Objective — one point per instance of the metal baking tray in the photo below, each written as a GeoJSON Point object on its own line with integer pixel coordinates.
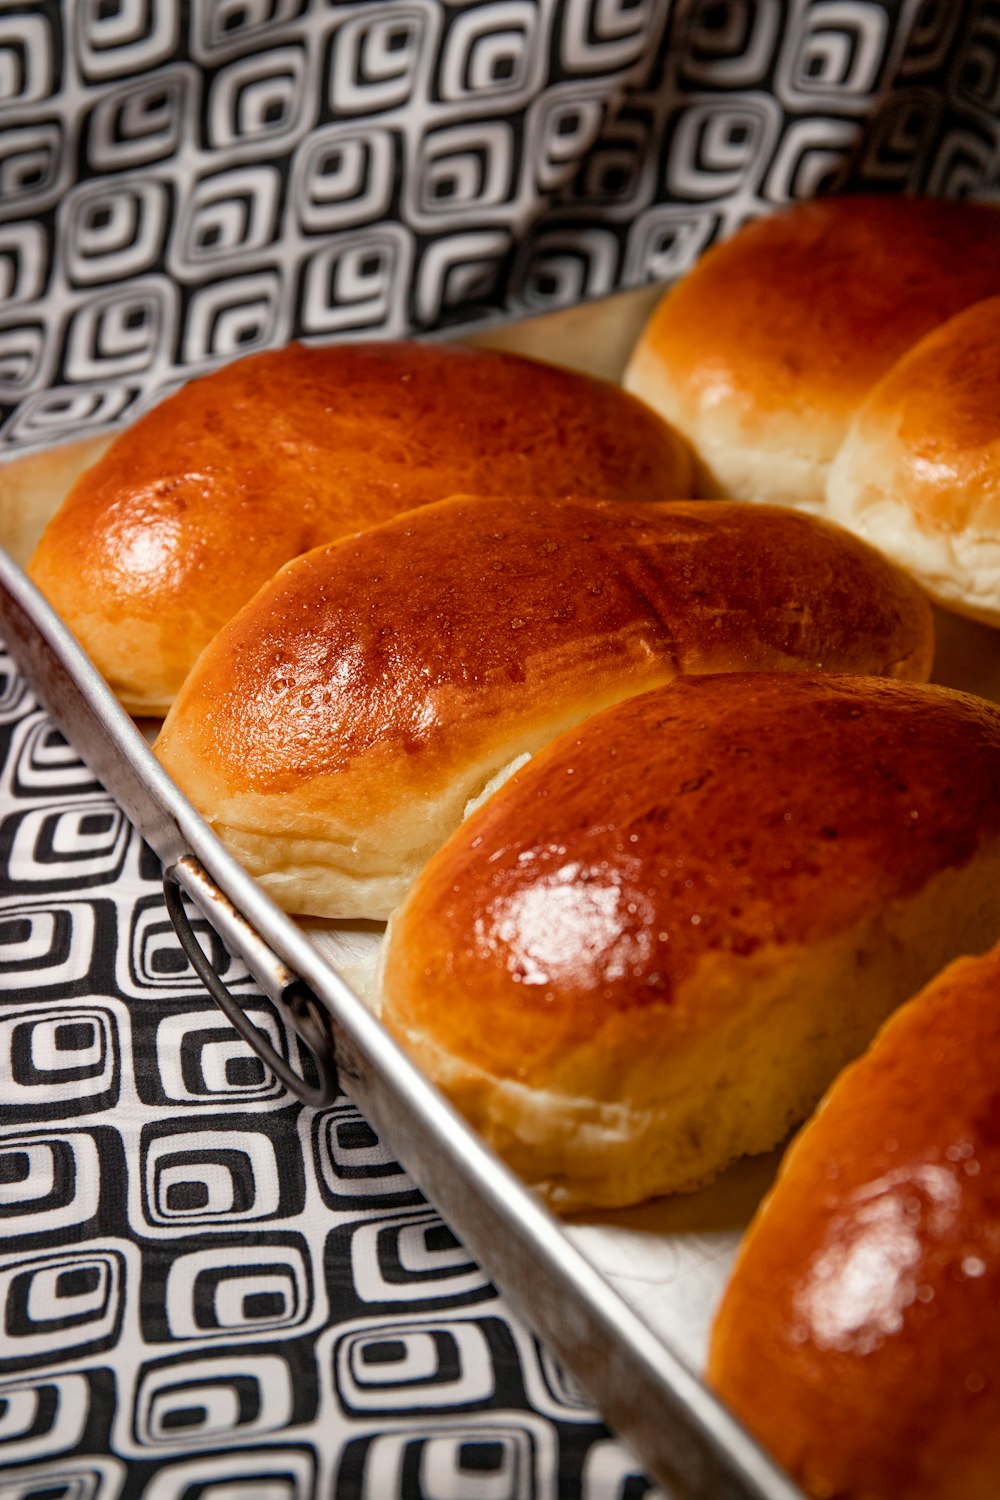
{"type": "Point", "coordinates": [624, 1298]}
{"type": "Point", "coordinates": [637, 1379]}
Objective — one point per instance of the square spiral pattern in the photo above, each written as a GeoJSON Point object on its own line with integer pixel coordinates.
{"type": "Point", "coordinates": [181, 183]}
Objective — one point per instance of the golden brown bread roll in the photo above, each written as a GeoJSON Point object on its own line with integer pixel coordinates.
{"type": "Point", "coordinates": [335, 731]}
{"type": "Point", "coordinates": [761, 355]}
{"type": "Point", "coordinates": [918, 474]}
{"type": "Point", "coordinates": [204, 498]}
{"type": "Point", "coordinates": [858, 1336]}
{"type": "Point", "coordinates": [650, 952]}
{"type": "Point", "coordinates": [33, 486]}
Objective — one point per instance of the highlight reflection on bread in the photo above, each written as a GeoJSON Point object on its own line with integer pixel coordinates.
{"type": "Point", "coordinates": [858, 1336]}
{"type": "Point", "coordinates": [335, 731]}
{"type": "Point", "coordinates": [205, 497]}
{"type": "Point", "coordinates": [650, 952]}
{"type": "Point", "coordinates": [763, 352]}
{"type": "Point", "coordinates": [34, 486]}
{"type": "Point", "coordinates": [918, 474]}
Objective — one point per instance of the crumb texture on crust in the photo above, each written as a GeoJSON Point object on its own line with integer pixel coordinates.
{"type": "Point", "coordinates": [205, 497]}
{"type": "Point", "coordinates": [857, 1337]}
{"type": "Point", "coordinates": [335, 732]}
{"type": "Point", "coordinates": [690, 911]}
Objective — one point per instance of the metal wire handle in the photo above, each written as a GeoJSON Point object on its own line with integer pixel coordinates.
{"type": "Point", "coordinates": [307, 1016]}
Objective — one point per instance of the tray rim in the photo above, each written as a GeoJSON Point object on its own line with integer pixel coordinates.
{"type": "Point", "coordinates": [678, 1428]}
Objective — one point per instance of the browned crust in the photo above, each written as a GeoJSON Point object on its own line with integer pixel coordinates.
{"type": "Point", "coordinates": [803, 311]}
{"type": "Point", "coordinates": [858, 1337]}
{"type": "Point", "coordinates": [470, 621]}
{"type": "Point", "coordinates": [706, 820]}
{"type": "Point", "coordinates": [934, 421]}
{"type": "Point", "coordinates": [34, 485]}
{"type": "Point", "coordinates": [206, 496]}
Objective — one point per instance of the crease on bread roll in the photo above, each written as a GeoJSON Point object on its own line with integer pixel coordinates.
{"type": "Point", "coordinates": [650, 952]}
{"type": "Point", "coordinates": [918, 474]}
{"type": "Point", "coordinates": [205, 497]}
{"type": "Point", "coordinates": [761, 354]}
{"type": "Point", "coordinates": [858, 1334]}
{"type": "Point", "coordinates": [334, 733]}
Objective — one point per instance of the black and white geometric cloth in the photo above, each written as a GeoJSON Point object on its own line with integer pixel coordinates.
{"type": "Point", "coordinates": [185, 180]}
{"type": "Point", "coordinates": [208, 1292]}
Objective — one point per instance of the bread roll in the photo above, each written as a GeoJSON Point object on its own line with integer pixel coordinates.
{"type": "Point", "coordinates": [199, 503]}
{"type": "Point", "coordinates": [34, 486]}
{"type": "Point", "coordinates": [919, 471]}
{"type": "Point", "coordinates": [858, 1336]}
{"type": "Point", "coordinates": [761, 355]}
{"type": "Point", "coordinates": [335, 731]}
{"type": "Point", "coordinates": [650, 952]}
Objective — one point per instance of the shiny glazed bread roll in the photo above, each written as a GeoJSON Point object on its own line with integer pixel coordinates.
{"type": "Point", "coordinates": [919, 471]}
{"type": "Point", "coordinates": [335, 731]}
{"type": "Point", "coordinates": [858, 1336]}
{"type": "Point", "coordinates": [204, 498]}
{"type": "Point", "coordinates": [761, 354]}
{"type": "Point", "coordinates": [33, 487]}
{"type": "Point", "coordinates": [650, 952]}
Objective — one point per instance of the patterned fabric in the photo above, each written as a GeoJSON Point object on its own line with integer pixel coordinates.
{"type": "Point", "coordinates": [180, 182]}
{"type": "Point", "coordinates": [208, 1292]}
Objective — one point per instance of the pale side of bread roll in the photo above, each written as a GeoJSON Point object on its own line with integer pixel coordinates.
{"type": "Point", "coordinates": [334, 733]}
{"type": "Point", "coordinates": [918, 474]}
{"type": "Point", "coordinates": [763, 352]}
{"type": "Point", "coordinates": [205, 497]}
{"type": "Point", "coordinates": [650, 952]}
{"type": "Point", "coordinates": [858, 1335]}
